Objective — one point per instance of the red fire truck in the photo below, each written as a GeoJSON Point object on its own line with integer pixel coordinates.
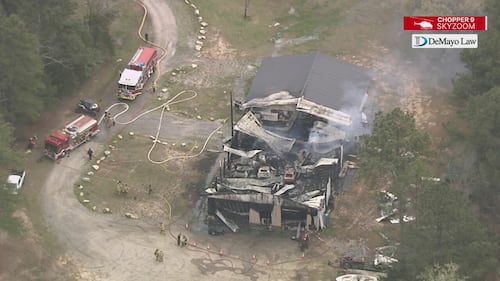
{"type": "Point", "coordinates": [137, 73]}
{"type": "Point", "coordinates": [61, 142]}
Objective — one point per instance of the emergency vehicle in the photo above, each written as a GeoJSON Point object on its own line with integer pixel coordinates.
{"type": "Point", "coordinates": [138, 71]}
{"type": "Point", "coordinates": [59, 143]}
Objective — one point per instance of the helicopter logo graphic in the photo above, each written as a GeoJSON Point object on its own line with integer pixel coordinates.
{"type": "Point", "coordinates": [424, 25]}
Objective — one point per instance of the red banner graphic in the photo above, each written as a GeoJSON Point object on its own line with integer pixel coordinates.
{"type": "Point", "coordinates": [445, 23]}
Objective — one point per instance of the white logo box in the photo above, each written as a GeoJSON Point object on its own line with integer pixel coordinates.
{"type": "Point", "coordinates": [444, 41]}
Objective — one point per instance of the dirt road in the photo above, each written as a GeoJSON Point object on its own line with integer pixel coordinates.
{"type": "Point", "coordinates": [112, 247]}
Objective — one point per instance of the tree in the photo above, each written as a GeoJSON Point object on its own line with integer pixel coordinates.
{"type": "Point", "coordinates": [445, 231]}
{"type": "Point", "coordinates": [98, 20]}
{"type": "Point", "coordinates": [483, 63]}
{"type": "Point", "coordinates": [448, 272]}
{"type": "Point", "coordinates": [22, 87]}
{"type": "Point", "coordinates": [9, 158]}
{"type": "Point", "coordinates": [71, 48]}
{"type": "Point", "coordinates": [483, 121]}
{"type": "Point", "coordinates": [394, 144]}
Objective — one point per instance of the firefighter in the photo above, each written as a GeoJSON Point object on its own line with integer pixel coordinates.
{"type": "Point", "coordinates": [304, 242]}
{"type": "Point", "coordinates": [184, 241]}
{"type": "Point", "coordinates": [159, 255]}
{"type": "Point", "coordinates": [119, 187]}
{"type": "Point", "coordinates": [31, 143]}
{"type": "Point", "coordinates": [162, 228]}
{"type": "Point", "coordinates": [108, 120]}
{"type": "Point", "coordinates": [90, 152]}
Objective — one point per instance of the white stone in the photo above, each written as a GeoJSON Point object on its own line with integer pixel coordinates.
{"type": "Point", "coordinates": [94, 208]}
{"type": "Point", "coordinates": [131, 216]}
{"type": "Point", "coordinates": [200, 18]}
{"type": "Point", "coordinates": [202, 31]}
{"type": "Point", "coordinates": [107, 152]}
{"type": "Point", "coordinates": [98, 162]}
{"type": "Point", "coordinates": [130, 133]}
{"type": "Point", "coordinates": [197, 48]}
{"type": "Point", "coordinates": [197, 12]}
{"type": "Point", "coordinates": [86, 201]}
{"type": "Point", "coordinates": [202, 37]}
{"type": "Point", "coordinates": [106, 210]}
{"type": "Point", "coordinates": [173, 73]}
{"type": "Point", "coordinates": [212, 119]}
{"type": "Point", "coordinates": [95, 167]}
{"type": "Point", "coordinates": [194, 65]}
{"type": "Point", "coordinates": [80, 186]}
{"type": "Point", "coordinates": [276, 24]}
{"type": "Point", "coordinates": [90, 173]}
{"type": "Point", "coordinates": [152, 137]}
{"type": "Point", "coordinates": [186, 1]}
{"type": "Point", "coordinates": [203, 24]}
{"type": "Point", "coordinates": [81, 194]}
{"type": "Point", "coordinates": [198, 117]}
{"type": "Point", "coordinates": [85, 179]}
{"type": "Point", "coordinates": [102, 158]}
{"type": "Point", "coordinates": [120, 136]}
{"type": "Point", "coordinates": [164, 90]}
{"type": "Point", "coordinates": [183, 144]}
{"type": "Point", "coordinates": [193, 5]}
{"type": "Point", "coordinates": [198, 42]}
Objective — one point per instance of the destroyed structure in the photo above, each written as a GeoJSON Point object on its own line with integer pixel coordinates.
{"type": "Point", "coordinates": [301, 118]}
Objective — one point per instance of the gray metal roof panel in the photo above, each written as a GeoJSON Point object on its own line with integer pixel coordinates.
{"type": "Point", "coordinates": [319, 78]}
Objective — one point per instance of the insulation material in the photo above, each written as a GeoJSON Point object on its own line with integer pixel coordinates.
{"type": "Point", "coordinates": [279, 98]}
{"type": "Point", "coordinates": [247, 154]}
{"type": "Point", "coordinates": [324, 112]}
{"type": "Point", "coordinates": [284, 189]}
{"type": "Point", "coordinates": [250, 125]}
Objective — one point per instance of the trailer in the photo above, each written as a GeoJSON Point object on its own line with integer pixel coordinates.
{"type": "Point", "coordinates": [59, 143]}
{"type": "Point", "coordinates": [137, 73]}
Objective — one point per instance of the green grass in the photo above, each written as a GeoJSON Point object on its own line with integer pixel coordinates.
{"type": "Point", "coordinates": [128, 163]}
{"type": "Point", "coordinates": [210, 102]}
{"type": "Point", "coordinates": [254, 36]}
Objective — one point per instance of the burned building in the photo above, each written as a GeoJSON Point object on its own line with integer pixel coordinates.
{"type": "Point", "coordinates": [300, 119]}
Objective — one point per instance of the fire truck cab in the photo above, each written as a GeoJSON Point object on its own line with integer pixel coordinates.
{"type": "Point", "coordinates": [137, 73]}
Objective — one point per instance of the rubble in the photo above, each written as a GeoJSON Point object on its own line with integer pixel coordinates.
{"type": "Point", "coordinates": [285, 156]}
{"type": "Point", "coordinates": [356, 277]}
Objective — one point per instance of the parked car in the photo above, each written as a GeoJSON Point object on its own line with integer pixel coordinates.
{"type": "Point", "coordinates": [15, 181]}
{"type": "Point", "coordinates": [87, 106]}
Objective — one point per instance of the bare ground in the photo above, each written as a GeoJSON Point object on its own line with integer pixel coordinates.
{"type": "Point", "coordinates": [111, 247]}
